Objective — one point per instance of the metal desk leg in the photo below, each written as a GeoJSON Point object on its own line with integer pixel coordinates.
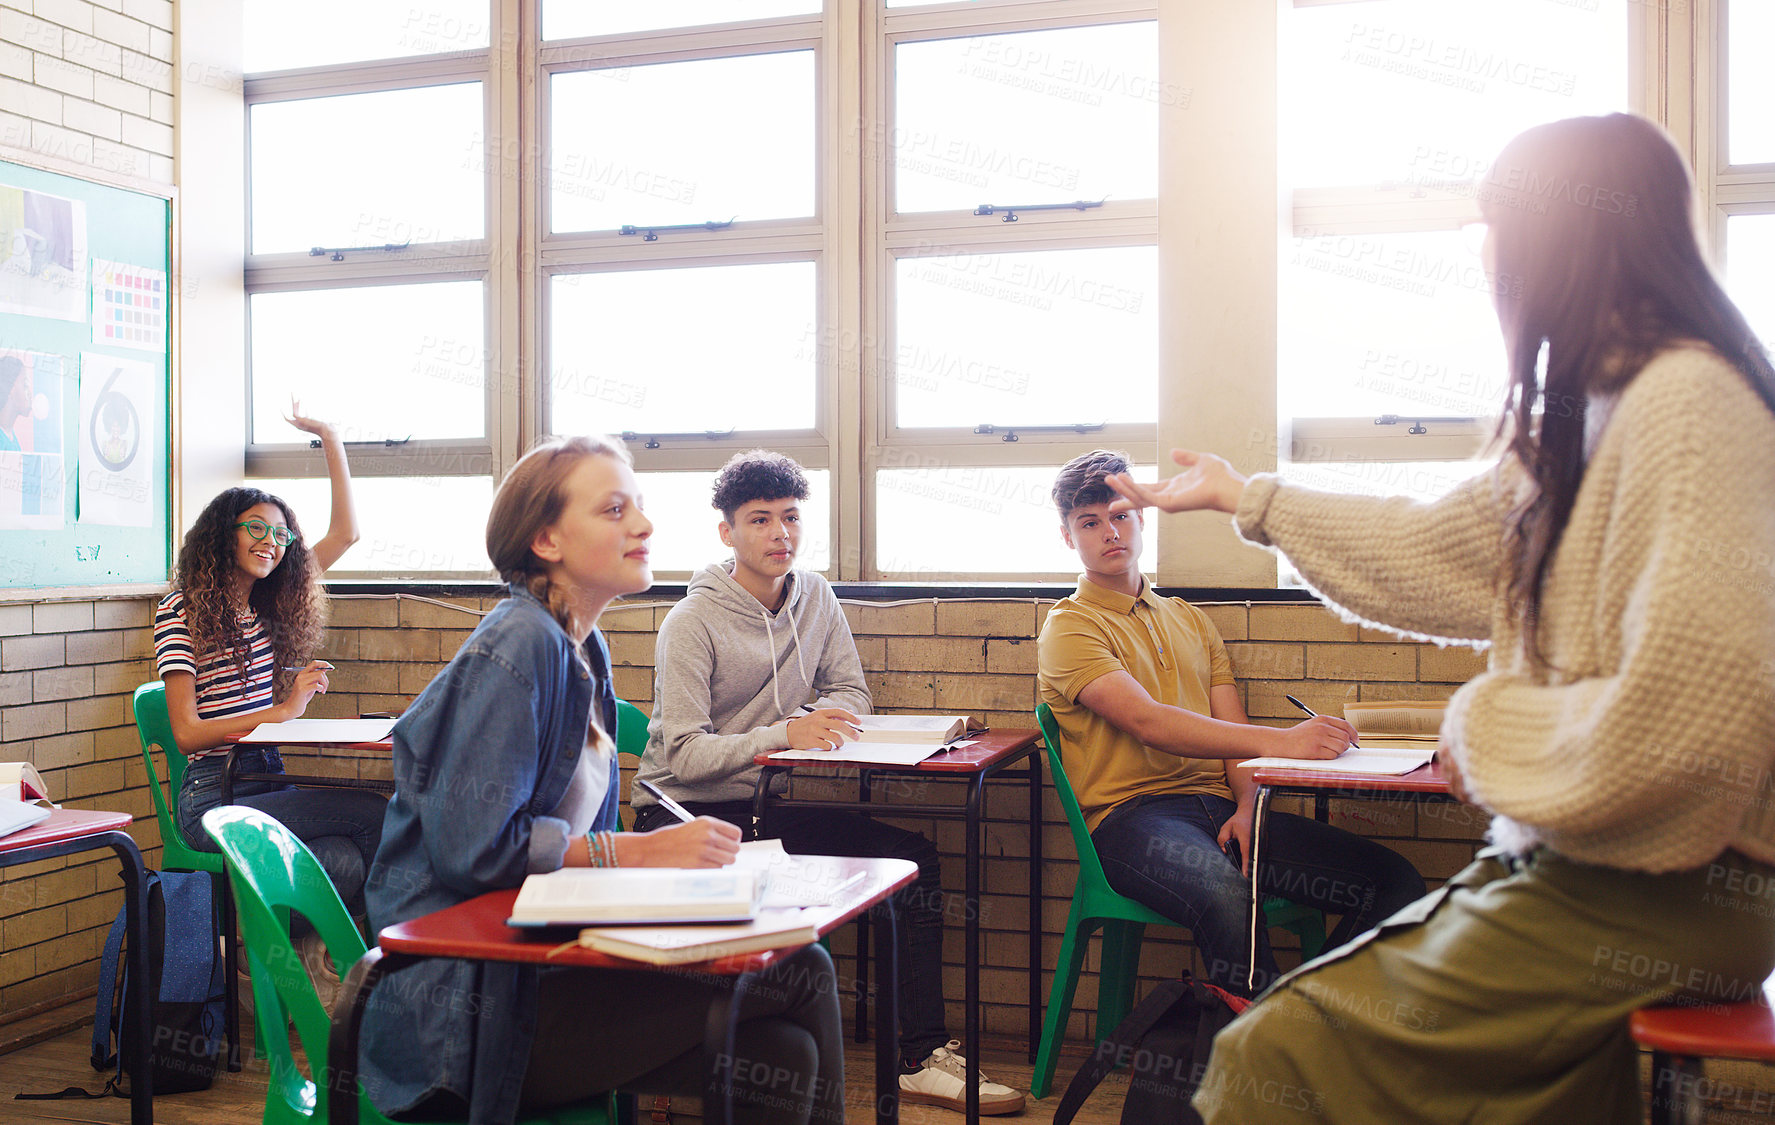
{"type": "Point", "coordinates": [887, 1015]}
{"type": "Point", "coordinates": [1035, 902]}
{"type": "Point", "coordinates": [1259, 818]}
{"type": "Point", "coordinates": [348, 1018]}
{"type": "Point", "coordinates": [862, 978]}
{"type": "Point", "coordinates": [971, 970]}
{"type": "Point", "coordinates": [135, 898]}
{"type": "Point", "coordinates": [720, 1042]}
{"type": "Point", "coordinates": [228, 767]}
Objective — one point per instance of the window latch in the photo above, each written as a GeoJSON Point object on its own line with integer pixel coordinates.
{"type": "Point", "coordinates": [1012, 433]}
{"type": "Point", "coordinates": [337, 253]}
{"type": "Point", "coordinates": [1010, 211]}
{"type": "Point", "coordinates": [1417, 424]}
{"type": "Point", "coordinates": [652, 441]}
{"type": "Point", "coordinates": [651, 234]}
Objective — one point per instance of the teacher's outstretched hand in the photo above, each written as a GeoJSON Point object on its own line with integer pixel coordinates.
{"type": "Point", "coordinates": [1206, 483]}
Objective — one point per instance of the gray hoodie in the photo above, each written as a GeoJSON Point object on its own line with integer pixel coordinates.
{"type": "Point", "coordinates": [729, 674]}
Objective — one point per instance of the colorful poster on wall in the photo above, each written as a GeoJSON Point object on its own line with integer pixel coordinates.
{"type": "Point", "coordinates": [117, 447]}
{"type": "Point", "coordinates": [128, 306]}
{"type": "Point", "coordinates": [42, 254]}
{"type": "Point", "coordinates": [31, 461]}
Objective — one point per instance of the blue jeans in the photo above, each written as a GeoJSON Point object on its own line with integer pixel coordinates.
{"type": "Point", "coordinates": [923, 1027]}
{"type": "Point", "coordinates": [1160, 851]}
{"type": "Point", "coordinates": [342, 827]}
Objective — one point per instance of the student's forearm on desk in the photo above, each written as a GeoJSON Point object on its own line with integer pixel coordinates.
{"type": "Point", "coordinates": [194, 734]}
{"type": "Point", "coordinates": [1119, 698]}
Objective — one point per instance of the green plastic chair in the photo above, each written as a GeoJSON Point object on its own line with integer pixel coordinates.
{"type": "Point", "coordinates": [273, 874]}
{"type": "Point", "coordinates": [155, 730]}
{"type": "Point", "coordinates": [1123, 921]}
{"type": "Point", "coordinates": [631, 728]}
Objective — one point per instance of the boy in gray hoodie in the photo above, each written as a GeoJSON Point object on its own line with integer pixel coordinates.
{"type": "Point", "coordinates": [759, 657]}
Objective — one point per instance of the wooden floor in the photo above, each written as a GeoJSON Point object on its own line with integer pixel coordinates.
{"type": "Point", "coordinates": [1736, 1093]}
{"type": "Point", "coordinates": [238, 1099]}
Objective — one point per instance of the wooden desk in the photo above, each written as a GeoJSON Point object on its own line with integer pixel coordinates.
{"type": "Point", "coordinates": [1423, 784]}
{"type": "Point", "coordinates": [66, 832]}
{"type": "Point", "coordinates": [993, 750]}
{"type": "Point", "coordinates": [476, 930]}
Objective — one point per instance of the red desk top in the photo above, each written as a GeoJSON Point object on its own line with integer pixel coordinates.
{"type": "Point", "coordinates": [1722, 1031]}
{"type": "Point", "coordinates": [1424, 779]}
{"type": "Point", "coordinates": [476, 929]}
{"type": "Point", "coordinates": [66, 824]}
{"type": "Point", "coordinates": [990, 748]}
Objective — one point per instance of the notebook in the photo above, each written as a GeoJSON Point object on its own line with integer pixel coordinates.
{"type": "Point", "coordinates": [1392, 738]}
{"type": "Point", "coordinates": [680, 945]}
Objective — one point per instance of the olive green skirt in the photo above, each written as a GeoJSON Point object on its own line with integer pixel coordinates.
{"type": "Point", "coordinates": [1501, 997]}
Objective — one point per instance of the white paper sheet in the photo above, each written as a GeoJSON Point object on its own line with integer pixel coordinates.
{"type": "Point", "coordinates": [862, 753]}
{"type": "Point", "coordinates": [320, 732]}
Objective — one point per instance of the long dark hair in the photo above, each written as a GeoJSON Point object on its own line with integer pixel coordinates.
{"type": "Point", "coordinates": [1597, 263]}
{"type": "Point", "coordinates": [288, 601]}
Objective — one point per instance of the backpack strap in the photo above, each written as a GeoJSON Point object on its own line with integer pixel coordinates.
{"type": "Point", "coordinates": [1119, 1044]}
{"type": "Point", "coordinates": [102, 1053]}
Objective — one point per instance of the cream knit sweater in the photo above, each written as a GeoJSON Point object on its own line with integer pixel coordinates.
{"type": "Point", "coordinates": [1649, 744]}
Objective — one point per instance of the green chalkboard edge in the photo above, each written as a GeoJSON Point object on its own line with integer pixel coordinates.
{"type": "Point", "coordinates": [62, 166]}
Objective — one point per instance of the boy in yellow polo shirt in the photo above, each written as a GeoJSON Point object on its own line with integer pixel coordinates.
{"type": "Point", "coordinates": [1150, 719]}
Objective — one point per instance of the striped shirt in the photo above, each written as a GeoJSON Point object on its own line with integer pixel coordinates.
{"type": "Point", "coordinates": [220, 689]}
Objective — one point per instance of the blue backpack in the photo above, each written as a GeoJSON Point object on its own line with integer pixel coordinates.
{"type": "Point", "coordinates": [187, 986]}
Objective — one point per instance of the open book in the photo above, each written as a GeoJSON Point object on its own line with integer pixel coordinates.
{"type": "Point", "coordinates": [1391, 739]}
{"type": "Point", "coordinates": [679, 945]}
{"type": "Point", "coordinates": [906, 730]}
{"type": "Point", "coordinates": [578, 896]}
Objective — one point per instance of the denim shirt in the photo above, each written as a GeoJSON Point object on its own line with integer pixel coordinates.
{"type": "Point", "coordinates": [481, 760]}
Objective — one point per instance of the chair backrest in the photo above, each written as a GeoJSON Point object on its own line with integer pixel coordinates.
{"type": "Point", "coordinates": [155, 731]}
{"type": "Point", "coordinates": [272, 873]}
{"type": "Point", "coordinates": [631, 728]}
{"type": "Point", "coordinates": [1089, 867]}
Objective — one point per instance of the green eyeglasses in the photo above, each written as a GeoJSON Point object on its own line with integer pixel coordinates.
{"type": "Point", "coordinates": [259, 529]}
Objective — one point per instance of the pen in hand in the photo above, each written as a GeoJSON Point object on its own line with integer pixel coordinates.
{"type": "Point", "coordinates": [1312, 714]}
{"type": "Point", "coordinates": [670, 805]}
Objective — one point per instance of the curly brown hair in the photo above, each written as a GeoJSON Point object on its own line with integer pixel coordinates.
{"type": "Point", "coordinates": [288, 601]}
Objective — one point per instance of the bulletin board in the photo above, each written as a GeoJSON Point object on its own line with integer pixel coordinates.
{"type": "Point", "coordinates": [85, 376]}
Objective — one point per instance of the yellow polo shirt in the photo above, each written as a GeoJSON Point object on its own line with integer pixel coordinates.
{"type": "Point", "coordinates": [1168, 646]}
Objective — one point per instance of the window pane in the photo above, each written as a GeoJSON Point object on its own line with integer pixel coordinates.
{"type": "Point", "coordinates": [1750, 271]}
{"type": "Point", "coordinates": [1386, 324]}
{"type": "Point", "coordinates": [278, 34]}
{"type": "Point", "coordinates": [368, 169]}
{"type": "Point", "coordinates": [387, 361]}
{"type": "Point", "coordinates": [941, 519]}
{"type": "Point", "coordinates": [687, 142]}
{"type": "Point", "coordinates": [571, 19]}
{"type": "Point", "coordinates": [684, 525]}
{"type": "Point", "coordinates": [1420, 480]}
{"type": "Point", "coordinates": [1038, 117]}
{"type": "Point", "coordinates": [1053, 336]}
{"type": "Point", "coordinates": [1428, 91]}
{"type": "Point", "coordinates": [411, 525]}
{"type": "Point", "coordinates": [710, 348]}
{"type": "Point", "coordinates": [1750, 110]}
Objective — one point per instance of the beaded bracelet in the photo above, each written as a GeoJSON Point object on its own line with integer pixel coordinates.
{"type": "Point", "coordinates": [601, 849]}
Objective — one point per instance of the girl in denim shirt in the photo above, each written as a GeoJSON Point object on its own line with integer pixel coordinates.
{"type": "Point", "coordinates": [504, 767]}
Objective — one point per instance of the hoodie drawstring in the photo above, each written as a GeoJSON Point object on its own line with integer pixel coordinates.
{"type": "Point", "coordinates": [794, 640]}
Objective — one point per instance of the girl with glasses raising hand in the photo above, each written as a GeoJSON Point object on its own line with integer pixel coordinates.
{"type": "Point", "coordinates": [235, 642]}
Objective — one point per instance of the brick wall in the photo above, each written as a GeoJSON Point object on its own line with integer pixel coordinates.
{"type": "Point", "coordinates": [90, 83]}
{"type": "Point", "coordinates": [66, 670]}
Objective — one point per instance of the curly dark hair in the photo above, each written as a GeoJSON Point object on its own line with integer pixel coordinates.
{"type": "Point", "coordinates": [288, 601]}
{"type": "Point", "coordinates": [1080, 483]}
{"type": "Point", "coordinates": [756, 474]}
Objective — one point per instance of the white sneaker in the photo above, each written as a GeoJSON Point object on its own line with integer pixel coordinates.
{"type": "Point", "coordinates": [942, 1080]}
{"type": "Point", "coordinates": [313, 953]}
